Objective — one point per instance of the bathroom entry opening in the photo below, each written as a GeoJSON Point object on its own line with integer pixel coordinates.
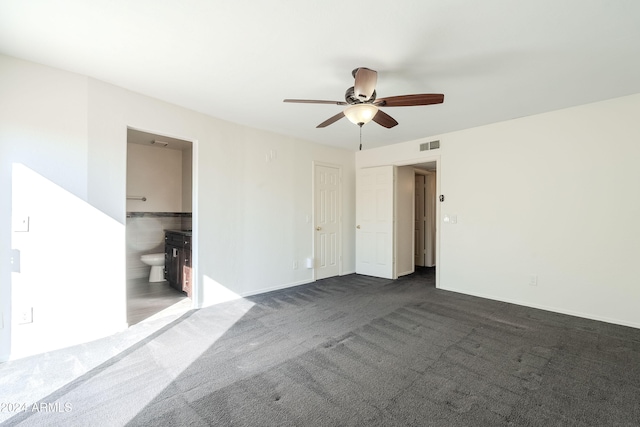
{"type": "Point", "coordinates": [159, 206]}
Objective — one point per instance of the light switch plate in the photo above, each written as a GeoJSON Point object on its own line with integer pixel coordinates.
{"type": "Point", "coordinates": [21, 223]}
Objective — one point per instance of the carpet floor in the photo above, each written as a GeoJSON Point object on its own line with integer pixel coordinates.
{"type": "Point", "coordinates": [352, 351]}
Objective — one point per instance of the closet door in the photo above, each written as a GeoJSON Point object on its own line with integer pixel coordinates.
{"type": "Point", "coordinates": [375, 222]}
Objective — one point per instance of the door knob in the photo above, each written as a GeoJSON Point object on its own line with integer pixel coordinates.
{"type": "Point", "coordinates": [358, 227]}
{"type": "Point", "coordinates": [318, 228]}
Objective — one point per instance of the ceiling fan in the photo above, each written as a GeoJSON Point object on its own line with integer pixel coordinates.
{"type": "Point", "coordinates": [363, 106]}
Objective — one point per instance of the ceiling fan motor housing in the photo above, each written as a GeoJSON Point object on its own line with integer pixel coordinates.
{"type": "Point", "coordinates": [351, 98]}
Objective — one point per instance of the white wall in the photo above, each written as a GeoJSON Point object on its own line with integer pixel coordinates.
{"type": "Point", "coordinates": [156, 174]}
{"type": "Point", "coordinates": [69, 132]}
{"type": "Point", "coordinates": [61, 275]}
{"type": "Point", "coordinates": [553, 195]}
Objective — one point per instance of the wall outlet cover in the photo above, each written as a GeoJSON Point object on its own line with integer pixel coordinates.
{"type": "Point", "coordinates": [26, 316]}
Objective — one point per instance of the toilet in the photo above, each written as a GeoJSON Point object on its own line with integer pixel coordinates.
{"type": "Point", "coordinates": [156, 261]}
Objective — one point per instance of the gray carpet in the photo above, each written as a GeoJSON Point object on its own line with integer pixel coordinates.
{"type": "Point", "coordinates": [354, 351]}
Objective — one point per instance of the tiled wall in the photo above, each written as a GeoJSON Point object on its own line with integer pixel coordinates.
{"type": "Point", "coordinates": [145, 235]}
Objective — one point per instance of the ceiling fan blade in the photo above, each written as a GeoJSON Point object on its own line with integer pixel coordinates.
{"type": "Point", "coordinates": [330, 120]}
{"type": "Point", "coordinates": [383, 119]}
{"type": "Point", "coordinates": [365, 84]}
{"type": "Point", "coordinates": [314, 101]}
{"type": "Point", "coordinates": [411, 100]}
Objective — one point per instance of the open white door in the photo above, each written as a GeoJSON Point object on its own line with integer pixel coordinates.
{"type": "Point", "coordinates": [374, 219]}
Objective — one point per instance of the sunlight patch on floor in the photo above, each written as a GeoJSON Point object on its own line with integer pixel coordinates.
{"type": "Point", "coordinates": [176, 309]}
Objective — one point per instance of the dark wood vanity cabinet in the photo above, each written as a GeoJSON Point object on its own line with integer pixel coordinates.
{"type": "Point", "coordinates": [177, 260]}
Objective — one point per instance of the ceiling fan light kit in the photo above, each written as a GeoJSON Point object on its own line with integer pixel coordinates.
{"type": "Point", "coordinates": [361, 114]}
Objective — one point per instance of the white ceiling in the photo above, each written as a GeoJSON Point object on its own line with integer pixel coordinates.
{"type": "Point", "coordinates": [237, 60]}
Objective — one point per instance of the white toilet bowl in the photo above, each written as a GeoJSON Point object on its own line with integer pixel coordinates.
{"type": "Point", "coordinates": [156, 261]}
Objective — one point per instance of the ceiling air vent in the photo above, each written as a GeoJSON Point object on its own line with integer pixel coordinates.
{"type": "Point", "coordinates": [431, 145]}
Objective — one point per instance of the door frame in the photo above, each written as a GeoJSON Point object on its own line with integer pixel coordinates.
{"type": "Point", "coordinates": [314, 164]}
{"type": "Point", "coordinates": [196, 290]}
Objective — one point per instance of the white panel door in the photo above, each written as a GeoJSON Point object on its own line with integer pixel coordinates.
{"type": "Point", "coordinates": [327, 221]}
{"type": "Point", "coordinates": [374, 222]}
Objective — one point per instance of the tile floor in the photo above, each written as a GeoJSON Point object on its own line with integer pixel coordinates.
{"type": "Point", "coordinates": [146, 299]}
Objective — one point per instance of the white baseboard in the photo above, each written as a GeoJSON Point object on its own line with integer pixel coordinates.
{"type": "Point", "coordinates": [547, 308]}
{"type": "Point", "coordinates": [277, 287]}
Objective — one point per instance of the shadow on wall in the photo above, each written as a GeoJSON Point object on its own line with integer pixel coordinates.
{"type": "Point", "coordinates": [67, 287]}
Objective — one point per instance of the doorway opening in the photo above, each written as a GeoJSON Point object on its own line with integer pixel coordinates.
{"type": "Point", "coordinates": [425, 215]}
{"type": "Point", "coordinates": [415, 212]}
{"type": "Point", "coordinates": [159, 225]}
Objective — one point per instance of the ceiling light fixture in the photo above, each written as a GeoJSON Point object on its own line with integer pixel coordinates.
{"type": "Point", "coordinates": [156, 142]}
{"type": "Point", "coordinates": [361, 114]}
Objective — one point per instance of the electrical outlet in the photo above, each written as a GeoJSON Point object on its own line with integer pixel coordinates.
{"type": "Point", "coordinates": [533, 280]}
{"type": "Point", "coordinates": [295, 264]}
{"type": "Point", "coordinates": [26, 316]}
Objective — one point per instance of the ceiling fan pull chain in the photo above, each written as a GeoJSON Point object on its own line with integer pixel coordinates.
{"type": "Point", "coordinates": [360, 136]}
